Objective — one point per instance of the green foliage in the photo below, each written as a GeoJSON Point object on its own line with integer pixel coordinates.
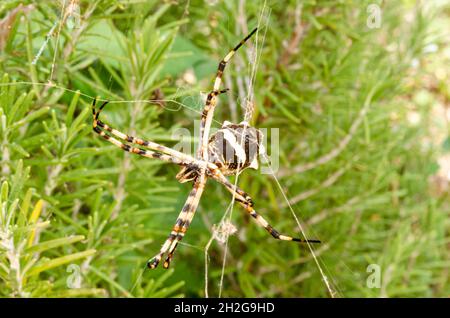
{"type": "Point", "coordinates": [21, 260]}
{"type": "Point", "coordinates": [361, 175]}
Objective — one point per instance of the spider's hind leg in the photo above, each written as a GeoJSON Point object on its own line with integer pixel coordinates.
{"type": "Point", "coordinates": [246, 201]}
{"type": "Point", "coordinates": [275, 234]}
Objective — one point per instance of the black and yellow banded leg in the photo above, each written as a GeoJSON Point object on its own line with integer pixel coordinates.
{"type": "Point", "coordinates": [246, 201]}
{"type": "Point", "coordinates": [138, 151]}
{"type": "Point", "coordinates": [239, 194]}
{"type": "Point", "coordinates": [227, 58]}
{"type": "Point", "coordinates": [210, 103]}
{"type": "Point", "coordinates": [135, 140]}
{"type": "Point", "coordinates": [262, 222]}
{"type": "Point", "coordinates": [189, 217]}
{"type": "Point", "coordinates": [181, 225]}
{"type": "Point", "coordinates": [208, 110]}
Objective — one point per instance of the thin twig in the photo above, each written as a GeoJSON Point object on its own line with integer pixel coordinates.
{"type": "Point", "coordinates": [325, 213]}
{"type": "Point", "coordinates": [334, 152]}
{"type": "Point", "coordinates": [231, 101]}
{"type": "Point", "coordinates": [332, 292]}
{"type": "Point", "coordinates": [6, 24]}
{"type": "Point", "coordinates": [293, 44]}
{"type": "Point", "coordinates": [325, 184]}
{"type": "Point", "coordinates": [120, 194]}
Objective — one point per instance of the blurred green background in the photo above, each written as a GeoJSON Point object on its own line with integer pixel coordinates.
{"type": "Point", "coordinates": [359, 91]}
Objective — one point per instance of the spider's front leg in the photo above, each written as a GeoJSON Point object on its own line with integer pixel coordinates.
{"type": "Point", "coordinates": [181, 225]}
{"type": "Point", "coordinates": [208, 110]}
{"type": "Point", "coordinates": [160, 152]}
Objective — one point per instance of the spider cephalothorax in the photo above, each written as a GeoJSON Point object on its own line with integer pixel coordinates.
{"type": "Point", "coordinates": [233, 148]}
{"type": "Point", "coordinates": [189, 172]}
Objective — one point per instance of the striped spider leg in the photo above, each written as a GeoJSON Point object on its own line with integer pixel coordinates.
{"type": "Point", "coordinates": [157, 151]}
{"type": "Point", "coordinates": [246, 201]}
{"type": "Point", "coordinates": [181, 225]}
{"type": "Point", "coordinates": [208, 110]}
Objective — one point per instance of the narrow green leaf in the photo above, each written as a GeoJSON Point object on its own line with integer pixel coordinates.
{"type": "Point", "coordinates": [43, 246]}
{"type": "Point", "coordinates": [71, 110]}
{"type": "Point", "coordinates": [59, 261]}
{"type": "Point", "coordinates": [32, 116]}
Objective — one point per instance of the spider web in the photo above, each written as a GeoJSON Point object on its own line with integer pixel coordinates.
{"type": "Point", "coordinates": [222, 232]}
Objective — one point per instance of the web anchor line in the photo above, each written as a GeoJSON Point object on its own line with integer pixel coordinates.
{"type": "Point", "coordinates": [325, 279]}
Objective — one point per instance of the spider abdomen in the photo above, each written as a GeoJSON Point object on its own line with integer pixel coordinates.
{"type": "Point", "coordinates": [235, 147]}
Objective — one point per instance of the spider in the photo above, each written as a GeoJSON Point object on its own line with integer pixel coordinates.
{"type": "Point", "coordinates": [233, 148]}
